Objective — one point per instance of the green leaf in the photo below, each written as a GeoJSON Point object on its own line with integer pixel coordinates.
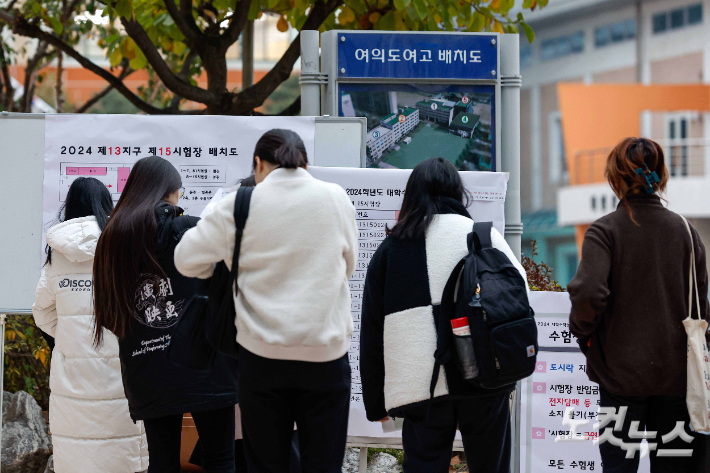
{"type": "Point", "coordinates": [116, 57]}
{"type": "Point", "coordinates": [36, 8]}
{"type": "Point", "coordinates": [112, 39]}
{"type": "Point", "coordinates": [542, 3]}
{"type": "Point", "coordinates": [124, 8]}
{"type": "Point", "coordinates": [272, 4]}
{"type": "Point", "coordinates": [138, 62]}
{"type": "Point", "coordinates": [529, 33]}
{"type": "Point", "coordinates": [420, 6]}
{"type": "Point", "coordinates": [528, 3]}
{"type": "Point", "coordinates": [179, 47]}
{"type": "Point", "coordinates": [401, 4]}
{"type": "Point", "coordinates": [431, 23]}
{"type": "Point", "coordinates": [387, 22]}
{"type": "Point", "coordinates": [476, 23]}
{"type": "Point", "coordinates": [56, 25]}
{"type": "Point", "coordinates": [254, 9]}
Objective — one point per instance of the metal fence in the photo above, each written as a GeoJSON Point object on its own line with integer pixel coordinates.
{"type": "Point", "coordinates": [688, 157]}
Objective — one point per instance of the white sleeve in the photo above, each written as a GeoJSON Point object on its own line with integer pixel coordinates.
{"type": "Point", "coordinates": [206, 243]}
{"type": "Point", "coordinates": [44, 310]}
{"type": "Point", "coordinates": [498, 242]}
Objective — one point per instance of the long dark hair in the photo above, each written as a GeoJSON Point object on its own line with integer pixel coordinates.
{"type": "Point", "coordinates": [281, 147]}
{"type": "Point", "coordinates": [87, 196]}
{"type": "Point", "coordinates": [126, 247]}
{"type": "Point", "coordinates": [430, 182]}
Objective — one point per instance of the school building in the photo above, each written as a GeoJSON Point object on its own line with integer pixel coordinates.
{"type": "Point", "coordinates": [464, 124]}
{"type": "Point", "coordinates": [401, 123]}
{"type": "Point", "coordinates": [598, 71]}
{"type": "Point", "coordinates": [436, 111]}
{"type": "Point", "coordinates": [379, 140]}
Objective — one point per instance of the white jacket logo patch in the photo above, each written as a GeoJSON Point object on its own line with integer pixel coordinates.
{"type": "Point", "coordinates": [75, 284]}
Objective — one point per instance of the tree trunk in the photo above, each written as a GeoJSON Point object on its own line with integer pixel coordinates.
{"type": "Point", "coordinates": [59, 95]}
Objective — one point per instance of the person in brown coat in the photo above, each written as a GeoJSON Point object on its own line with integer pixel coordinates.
{"type": "Point", "coordinates": [629, 298]}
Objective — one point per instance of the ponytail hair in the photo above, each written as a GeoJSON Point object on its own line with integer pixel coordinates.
{"type": "Point", "coordinates": [624, 163]}
{"type": "Point", "coordinates": [284, 148]}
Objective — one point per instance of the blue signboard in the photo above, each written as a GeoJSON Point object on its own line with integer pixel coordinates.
{"type": "Point", "coordinates": [417, 56]}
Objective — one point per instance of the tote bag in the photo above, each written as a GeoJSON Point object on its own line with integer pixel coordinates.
{"type": "Point", "coordinates": [698, 388]}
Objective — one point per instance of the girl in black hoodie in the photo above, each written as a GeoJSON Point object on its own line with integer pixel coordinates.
{"type": "Point", "coordinates": [138, 296]}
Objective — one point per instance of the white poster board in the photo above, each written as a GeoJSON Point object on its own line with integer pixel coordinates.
{"type": "Point", "coordinates": [559, 381]}
{"type": "Point", "coordinates": [377, 196]}
{"type": "Point", "coordinates": [210, 152]}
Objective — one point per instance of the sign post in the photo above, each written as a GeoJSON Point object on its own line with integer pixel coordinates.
{"type": "Point", "coordinates": [430, 94]}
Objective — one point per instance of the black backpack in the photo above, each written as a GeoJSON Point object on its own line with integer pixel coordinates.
{"type": "Point", "coordinates": [206, 324]}
{"type": "Point", "coordinates": [487, 288]}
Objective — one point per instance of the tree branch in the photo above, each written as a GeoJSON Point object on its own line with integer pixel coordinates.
{"type": "Point", "coordinates": [184, 74]}
{"type": "Point", "coordinates": [185, 22]}
{"type": "Point", "coordinates": [31, 77]}
{"type": "Point", "coordinates": [236, 23]}
{"type": "Point", "coordinates": [9, 90]}
{"type": "Point", "coordinates": [22, 27]}
{"type": "Point", "coordinates": [254, 96]}
{"type": "Point", "coordinates": [171, 81]}
{"type": "Point", "coordinates": [125, 72]}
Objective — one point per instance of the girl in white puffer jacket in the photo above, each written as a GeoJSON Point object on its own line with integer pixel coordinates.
{"type": "Point", "coordinates": [91, 428]}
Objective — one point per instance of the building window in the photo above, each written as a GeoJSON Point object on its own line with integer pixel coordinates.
{"type": "Point", "coordinates": [562, 46]}
{"type": "Point", "coordinates": [679, 18]}
{"type": "Point", "coordinates": [695, 14]}
{"type": "Point", "coordinates": [659, 23]}
{"type": "Point", "coordinates": [615, 33]}
{"type": "Point", "coordinates": [558, 162]}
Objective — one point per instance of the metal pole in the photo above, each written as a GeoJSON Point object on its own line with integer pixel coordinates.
{"type": "Point", "coordinates": [510, 136]}
{"type": "Point", "coordinates": [362, 465]}
{"type": "Point", "coordinates": [248, 55]}
{"type": "Point", "coordinates": [3, 318]}
{"type": "Point", "coordinates": [310, 69]}
{"type": "Point", "coordinates": [511, 82]}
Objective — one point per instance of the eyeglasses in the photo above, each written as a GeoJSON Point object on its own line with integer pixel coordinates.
{"type": "Point", "coordinates": [182, 192]}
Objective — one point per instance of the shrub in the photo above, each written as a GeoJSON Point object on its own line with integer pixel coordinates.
{"type": "Point", "coordinates": [27, 359]}
{"type": "Point", "coordinates": [539, 274]}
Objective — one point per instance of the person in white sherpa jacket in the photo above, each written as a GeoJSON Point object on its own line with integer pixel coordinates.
{"type": "Point", "coordinates": [91, 428]}
{"type": "Point", "coordinates": [298, 252]}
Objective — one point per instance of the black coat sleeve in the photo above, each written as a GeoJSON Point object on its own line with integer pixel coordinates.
{"type": "Point", "coordinates": [372, 361]}
{"type": "Point", "coordinates": [589, 289]}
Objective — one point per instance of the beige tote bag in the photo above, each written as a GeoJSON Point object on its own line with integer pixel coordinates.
{"type": "Point", "coordinates": [698, 389]}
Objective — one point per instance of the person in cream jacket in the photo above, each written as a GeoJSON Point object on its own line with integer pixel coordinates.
{"type": "Point", "coordinates": [298, 251]}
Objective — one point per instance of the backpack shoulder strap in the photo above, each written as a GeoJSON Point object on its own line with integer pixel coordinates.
{"type": "Point", "coordinates": [480, 238]}
{"type": "Point", "coordinates": [181, 224]}
{"type": "Point", "coordinates": [443, 345]}
{"type": "Point", "coordinates": [241, 212]}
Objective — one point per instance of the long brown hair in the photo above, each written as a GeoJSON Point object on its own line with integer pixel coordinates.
{"type": "Point", "coordinates": [626, 158]}
{"type": "Point", "coordinates": [125, 249]}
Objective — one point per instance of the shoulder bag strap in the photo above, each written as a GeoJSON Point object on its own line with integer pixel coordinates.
{"type": "Point", "coordinates": [481, 236]}
{"type": "Point", "coordinates": [241, 212]}
{"type": "Point", "coordinates": [692, 276]}
{"type": "Point", "coordinates": [442, 355]}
